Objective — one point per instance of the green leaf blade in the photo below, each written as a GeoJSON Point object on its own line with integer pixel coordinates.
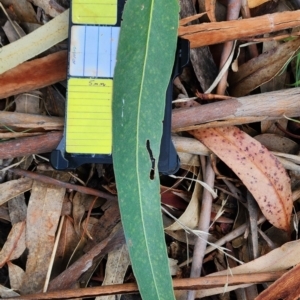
{"type": "Point", "coordinates": [145, 59]}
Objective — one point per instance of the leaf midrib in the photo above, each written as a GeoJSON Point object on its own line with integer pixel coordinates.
{"type": "Point", "coordinates": [138, 141]}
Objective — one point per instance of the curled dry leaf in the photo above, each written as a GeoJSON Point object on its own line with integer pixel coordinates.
{"type": "Point", "coordinates": [260, 171]}
{"type": "Point", "coordinates": [16, 275]}
{"type": "Point", "coordinates": [190, 217]}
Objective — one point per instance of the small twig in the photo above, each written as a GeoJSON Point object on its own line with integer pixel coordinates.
{"type": "Point", "coordinates": [253, 213]}
{"type": "Point", "coordinates": [295, 136]}
{"type": "Point", "coordinates": [49, 180]}
{"type": "Point", "coordinates": [270, 243]}
{"type": "Point", "coordinates": [204, 221]}
{"type": "Point", "coordinates": [178, 284]}
{"type": "Point", "coordinates": [247, 14]}
{"type": "Point", "coordinates": [233, 11]}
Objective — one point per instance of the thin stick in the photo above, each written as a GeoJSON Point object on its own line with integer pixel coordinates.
{"type": "Point", "coordinates": [62, 219]}
{"type": "Point", "coordinates": [269, 106]}
{"type": "Point", "coordinates": [204, 221]}
{"type": "Point", "coordinates": [28, 145]}
{"type": "Point", "coordinates": [233, 11]}
{"type": "Point", "coordinates": [178, 284]}
{"type": "Point", "coordinates": [49, 180]}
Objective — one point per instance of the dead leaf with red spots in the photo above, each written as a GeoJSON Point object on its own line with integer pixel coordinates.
{"type": "Point", "coordinates": [260, 171]}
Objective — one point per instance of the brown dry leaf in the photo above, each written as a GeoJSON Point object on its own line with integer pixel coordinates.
{"type": "Point", "coordinates": [66, 246]}
{"type": "Point", "coordinates": [278, 143]}
{"type": "Point", "coordinates": [22, 9]}
{"type": "Point", "coordinates": [210, 7]}
{"type": "Point", "coordinates": [116, 267]}
{"type": "Point", "coordinates": [81, 204]}
{"type": "Point", "coordinates": [28, 103]}
{"type": "Point", "coordinates": [51, 8]}
{"type": "Point", "coordinates": [16, 275]}
{"type": "Point", "coordinates": [13, 188]}
{"type": "Point", "coordinates": [270, 127]}
{"type": "Point", "coordinates": [17, 209]}
{"type": "Point", "coordinates": [278, 82]}
{"type": "Point", "coordinates": [260, 171]}
{"type": "Point", "coordinates": [70, 276]}
{"type": "Point", "coordinates": [14, 245]}
{"type": "Point", "coordinates": [255, 3]}
{"type": "Point", "coordinates": [43, 215]}
{"type": "Point", "coordinates": [261, 69]}
{"type": "Point", "coordinates": [286, 287]}
{"type": "Point", "coordinates": [7, 293]}
{"type": "Point", "coordinates": [4, 215]}
{"type": "Point", "coordinates": [105, 224]}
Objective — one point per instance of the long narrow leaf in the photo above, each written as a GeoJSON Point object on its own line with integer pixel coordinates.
{"type": "Point", "coordinates": [145, 58]}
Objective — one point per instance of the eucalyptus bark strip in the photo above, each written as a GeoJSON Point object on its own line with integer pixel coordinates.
{"type": "Point", "coordinates": [30, 145]}
{"type": "Point", "coordinates": [219, 32]}
{"type": "Point", "coordinates": [267, 106]}
{"type": "Point", "coordinates": [30, 121]}
{"type": "Point", "coordinates": [34, 74]}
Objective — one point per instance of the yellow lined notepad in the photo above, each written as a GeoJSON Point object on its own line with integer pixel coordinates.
{"type": "Point", "coordinates": [89, 116]}
{"type": "Point", "coordinates": [94, 12]}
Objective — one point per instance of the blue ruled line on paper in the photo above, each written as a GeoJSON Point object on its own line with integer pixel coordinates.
{"type": "Point", "coordinates": [93, 51]}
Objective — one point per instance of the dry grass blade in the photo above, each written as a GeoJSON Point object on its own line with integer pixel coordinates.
{"type": "Point", "coordinates": [260, 171]}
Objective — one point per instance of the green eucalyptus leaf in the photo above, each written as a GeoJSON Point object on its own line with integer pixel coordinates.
{"type": "Point", "coordinates": [145, 58]}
